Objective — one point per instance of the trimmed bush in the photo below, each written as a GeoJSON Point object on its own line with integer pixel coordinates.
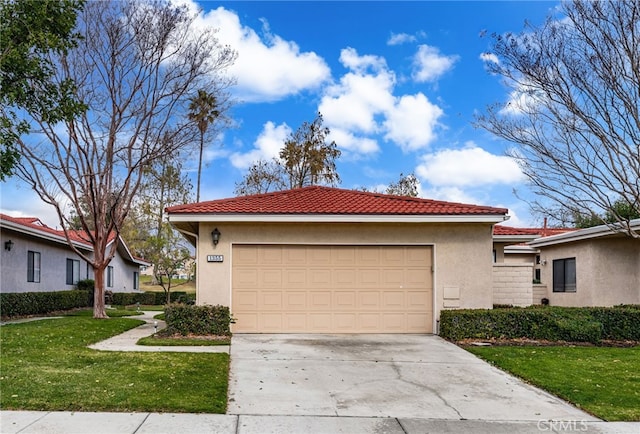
{"type": "Point", "coordinates": [197, 320]}
{"type": "Point", "coordinates": [40, 303]}
{"type": "Point", "coordinates": [585, 324]}
{"type": "Point", "coordinates": [176, 297]}
{"type": "Point", "coordinates": [86, 285]}
{"type": "Point", "coordinates": [128, 298]}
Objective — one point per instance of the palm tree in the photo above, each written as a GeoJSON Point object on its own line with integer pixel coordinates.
{"type": "Point", "coordinates": [203, 110]}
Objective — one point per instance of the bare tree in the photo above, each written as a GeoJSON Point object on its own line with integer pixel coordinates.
{"type": "Point", "coordinates": [263, 176]}
{"type": "Point", "coordinates": [574, 112]}
{"type": "Point", "coordinates": [405, 186]}
{"type": "Point", "coordinates": [135, 68]}
{"type": "Point", "coordinates": [305, 159]}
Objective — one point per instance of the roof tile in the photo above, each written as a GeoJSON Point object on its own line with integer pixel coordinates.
{"type": "Point", "coordinates": [318, 200]}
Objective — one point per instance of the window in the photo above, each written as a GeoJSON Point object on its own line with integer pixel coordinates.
{"type": "Point", "coordinates": [136, 280]}
{"type": "Point", "coordinates": [564, 275]}
{"type": "Point", "coordinates": [109, 277]}
{"type": "Point", "coordinates": [73, 271]}
{"type": "Point", "coordinates": [33, 266]}
{"type": "Point", "coordinates": [537, 275]}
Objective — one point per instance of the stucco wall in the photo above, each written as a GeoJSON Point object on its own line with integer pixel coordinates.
{"type": "Point", "coordinates": [462, 253]}
{"type": "Point", "coordinates": [53, 273]}
{"type": "Point", "coordinates": [512, 284]}
{"type": "Point", "coordinates": [607, 272]}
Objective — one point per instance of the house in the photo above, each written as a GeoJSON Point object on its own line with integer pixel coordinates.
{"type": "Point", "coordinates": [517, 278]}
{"type": "Point", "coordinates": [37, 258]}
{"type": "Point", "coordinates": [597, 266]}
{"type": "Point", "coordinates": [327, 260]}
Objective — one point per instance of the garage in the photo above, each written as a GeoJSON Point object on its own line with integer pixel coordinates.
{"type": "Point", "coordinates": [332, 288]}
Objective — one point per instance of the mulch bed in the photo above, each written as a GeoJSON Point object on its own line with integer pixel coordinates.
{"type": "Point", "coordinates": [521, 342]}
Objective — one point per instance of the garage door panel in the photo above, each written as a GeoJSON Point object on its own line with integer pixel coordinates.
{"type": "Point", "coordinates": [246, 300]}
{"type": "Point", "coordinates": [369, 300]}
{"type": "Point", "coordinates": [294, 278]}
{"type": "Point", "coordinates": [296, 300]}
{"type": "Point", "coordinates": [245, 277]}
{"type": "Point", "coordinates": [270, 278]}
{"type": "Point", "coordinates": [332, 289]}
{"type": "Point", "coordinates": [344, 301]}
{"type": "Point", "coordinates": [320, 300]}
{"type": "Point", "coordinates": [344, 278]}
{"type": "Point", "coordinates": [270, 300]}
{"type": "Point", "coordinates": [319, 278]}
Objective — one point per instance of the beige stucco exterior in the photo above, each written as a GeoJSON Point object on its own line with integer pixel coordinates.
{"type": "Point", "coordinates": [607, 271]}
{"type": "Point", "coordinates": [462, 275]}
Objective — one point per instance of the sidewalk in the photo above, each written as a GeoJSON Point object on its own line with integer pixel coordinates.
{"type": "Point", "coordinates": [41, 422]}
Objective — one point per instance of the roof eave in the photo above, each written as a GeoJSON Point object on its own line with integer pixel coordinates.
{"type": "Point", "coordinates": [585, 234]}
{"type": "Point", "coordinates": [337, 218]}
{"type": "Point", "coordinates": [44, 235]}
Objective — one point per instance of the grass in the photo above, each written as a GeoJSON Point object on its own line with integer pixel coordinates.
{"type": "Point", "coordinates": [46, 365]}
{"type": "Point", "coordinates": [188, 286]}
{"type": "Point", "coordinates": [603, 381]}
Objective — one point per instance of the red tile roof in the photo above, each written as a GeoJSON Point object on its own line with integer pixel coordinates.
{"type": "Point", "coordinates": [35, 224]}
{"type": "Point", "coordinates": [542, 232]}
{"type": "Point", "coordinates": [319, 200]}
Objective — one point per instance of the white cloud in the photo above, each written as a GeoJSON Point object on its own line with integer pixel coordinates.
{"type": "Point", "coordinates": [412, 121]}
{"type": "Point", "coordinates": [350, 58]}
{"type": "Point", "coordinates": [470, 166]}
{"type": "Point", "coordinates": [266, 147]}
{"type": "Point", "coordinates": [449, 194]}
{"type": "Point", "coordinates": [400, 38]}
{"type": "Point", "coordinates": [489, 58]}
{"type": "Point", "coordinates": [352, 143]}
{"type": "Point", "coordinates": [429, 64]}
{"type": "Point", "coordinates": [267, 69]}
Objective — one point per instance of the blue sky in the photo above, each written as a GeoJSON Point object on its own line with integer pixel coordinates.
{"type": "Point", "coordinates": [398, 84]}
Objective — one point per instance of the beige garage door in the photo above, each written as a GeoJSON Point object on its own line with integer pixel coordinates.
{"type": "Point", "coordinates": [332, 289]}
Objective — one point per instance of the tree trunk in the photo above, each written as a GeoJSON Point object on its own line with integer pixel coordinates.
{"type": "Point", "coordinates": [98, 294]}
{"type": "Point", "coordinates": [200, 167]}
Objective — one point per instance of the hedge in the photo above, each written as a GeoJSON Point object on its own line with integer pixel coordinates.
{"type": "Point", "coordinates": [584, 324]}
{"type": "Point", "coordinates": [197, 320]}
{"type": "Point", "coordinates": [39, 303]}
{"type": "Point", "coordinates": [128, 298]}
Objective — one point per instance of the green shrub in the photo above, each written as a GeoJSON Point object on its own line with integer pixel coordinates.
{"type": "Point", "coordinates": [129, 298]}
{"type": "Point", "coordinates": [176, 297]}
{"type": "Point", "coordinates": [586, 324]}
{"type": "Point", "coordinates": [39, 303]}
{"type": "Point", "coordinates": [198, 320]}
{"type": "Point", "coordinates": [86, 285]}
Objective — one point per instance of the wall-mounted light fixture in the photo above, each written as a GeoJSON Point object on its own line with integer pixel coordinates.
{"type": "Point", "coordinates": [215, 236]}
{"type": "Point", "coordinates": [8, 245]}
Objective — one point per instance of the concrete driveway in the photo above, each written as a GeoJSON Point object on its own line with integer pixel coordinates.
{"type": "Point", "coordinates": [401, 376]}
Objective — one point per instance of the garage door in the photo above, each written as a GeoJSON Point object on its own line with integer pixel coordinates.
{"type": "Point", "coordinates": [332, 289]}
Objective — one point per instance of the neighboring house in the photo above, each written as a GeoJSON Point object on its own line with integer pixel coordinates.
{"type": "Point", "coordinates": [37, 258]}
{"type": "Point", "coordinates": [327, 260]}
{"type": "Point", "coordinates": [568, 267]}
{"type": "Point", "coordinates": [517, 270]}
{"type": "Point", "coordinates": [590, 267]}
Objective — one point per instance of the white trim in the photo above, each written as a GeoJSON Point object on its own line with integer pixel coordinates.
{"type": "Point", "coordinates": [336, 218]}
{"type": "Point", "coordinates": [514, 238]}
{"type": "Point", "coordinates": [42, 234]}
{"type": "Point", "coordinates": [585, 234]}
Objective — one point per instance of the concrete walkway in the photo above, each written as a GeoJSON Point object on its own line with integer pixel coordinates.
{"type": "Point", "coordinates": [127, 340]}
{"type": "Point", "coordinates": [43, 422]}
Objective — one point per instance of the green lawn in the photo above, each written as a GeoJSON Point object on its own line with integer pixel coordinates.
{"type": "Point", "coordinates": [46, 365]}
{"type": "Point", "coordinates": [603, 381]}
